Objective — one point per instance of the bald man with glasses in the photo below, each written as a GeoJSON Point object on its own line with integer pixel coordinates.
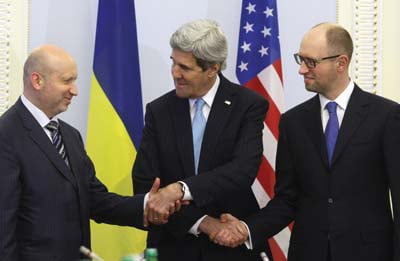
{"type": "Point", "coordinates": [337, 163]}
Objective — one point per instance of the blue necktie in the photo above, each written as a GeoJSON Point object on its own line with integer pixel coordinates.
{"type": "Point", "coordinates": [198, 126]}
{"type": "Point", "coordinates": [332, 129]}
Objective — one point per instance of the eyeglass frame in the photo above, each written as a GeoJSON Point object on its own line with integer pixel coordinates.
{"type": "Point", "coordinates": [310, 62]}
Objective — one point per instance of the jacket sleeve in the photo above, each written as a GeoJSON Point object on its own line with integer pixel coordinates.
{"type": "Point", "coordinates": [108, 207]}
{"type": "Point", "coordinates": [280, 210]}
{"type": "Point", "coordinates": [391, 146]}
{"type": "Point", "coordinates": [10, 189]}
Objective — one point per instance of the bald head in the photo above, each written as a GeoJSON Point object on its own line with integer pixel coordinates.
{"type": "Point", "coordinates": [49, 79]}
{"type": "Point", "coordinates": [336, 38]}
{"type": "Point", "coordinates": [328, 48]}
{"type": "Point", "coordinates": [44, 60]}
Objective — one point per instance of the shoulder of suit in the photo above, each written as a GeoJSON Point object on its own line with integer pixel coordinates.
{"type": "Point", "coordinates": [9, 119]}
{"type": "Point", "coordinates": [378, 99]}
{"type": "Point", "coordinates": [162, 99]}
{"type": "Point", "coordinates": [68, 127]}
{"type": "Point", "coordinates": [302, 106]}
{"type": "Point", "coordinates": [244, 92]}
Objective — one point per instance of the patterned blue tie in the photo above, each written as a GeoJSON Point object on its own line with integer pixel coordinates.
{"type": "Point", "coordinates": [332, 129]}
{"type": "Point", "coordinates": [198, 126]}
{"type": "Point", "coordinates": [56, 138]}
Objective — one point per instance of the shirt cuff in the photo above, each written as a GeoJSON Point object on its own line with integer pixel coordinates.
{"type": "Point", "coordinates": [186, 195]}
{"type": "Point", "coordinates": [195, 228]}
{"type": "Point", "coordinates": [146, 198]}
{"type": "Point", "coordinates": [248, 243]}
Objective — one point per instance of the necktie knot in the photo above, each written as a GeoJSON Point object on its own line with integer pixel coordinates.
{"type": "Point", "coordinates": [52, 126]}
{"type": "Point", "coordinates": [199, 104]}
{"type": "Point", "coordinates": [331, 107]}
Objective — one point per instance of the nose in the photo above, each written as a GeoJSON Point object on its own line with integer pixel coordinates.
{"type": "Point", "coordinates": [74, 89]}
{"type": "Point", "coordinates": [175, 71]}
{"type": "Point", "coordinates": [303, 69]}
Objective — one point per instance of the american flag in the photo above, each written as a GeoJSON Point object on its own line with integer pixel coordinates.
{"type": "Point", "coordinates": [259, 68]}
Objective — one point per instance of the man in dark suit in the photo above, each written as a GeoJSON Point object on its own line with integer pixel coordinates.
{"type": "Point", "coordinates": [335, 169]}
{"type": "Point", "coordinates": [48, 192]}
{"type": "Point", "coordinates": [216, 178]}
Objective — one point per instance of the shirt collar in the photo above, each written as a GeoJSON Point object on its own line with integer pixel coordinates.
{"type": "Point", "coordinates": [210, 95]}
{"type": "Point", "coordinates": [342, 100]}
{"type": "Point", "coordinates": [38, 114]}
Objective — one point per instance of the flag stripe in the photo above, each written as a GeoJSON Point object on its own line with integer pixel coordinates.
{"type": "Point", "coordinates": [115, 120]}
{"type": "Point", "coordinates": [258, 189]}
{"type": "Point", "coordinates": [271, 80]}
{"type": "Point", "coordinates": [259, 68]}
{"type": "Point", "coordinates": [277, 251]}
{"type": "Point", "coordinates": [270, 145]}
{"type": "Point", "coordinates": [266, 177]}
{"type": "Point", "coordinates": [116, 62]}
{"type": "Point", "coordinates": [273, 113]}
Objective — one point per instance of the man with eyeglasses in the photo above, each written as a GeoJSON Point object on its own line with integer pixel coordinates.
{"type": "Point", "coordinates": [337, 163]}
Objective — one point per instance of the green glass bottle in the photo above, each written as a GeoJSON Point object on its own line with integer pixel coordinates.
{"type": "Point", "coordinates": [132, 257]}
{"type": "Point", "coordinates": [151, 254]}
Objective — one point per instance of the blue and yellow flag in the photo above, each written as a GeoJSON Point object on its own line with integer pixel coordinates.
{"type": "Point", "coordinates": [115, 118]}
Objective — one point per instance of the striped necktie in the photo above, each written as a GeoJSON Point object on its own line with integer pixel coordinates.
{"type": "Point", "coordinates": [56, 138]}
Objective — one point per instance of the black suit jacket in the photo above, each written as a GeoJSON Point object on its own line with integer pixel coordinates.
{"type": "Point", "coordinates": [230, 155]}
{"type": "Point", "coordinates": [45, 206]}
{"type": "Point", "coordinates": [345, 205]}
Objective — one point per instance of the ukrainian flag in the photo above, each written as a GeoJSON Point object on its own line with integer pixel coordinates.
{"type": "Point", "coordinates": [115, 118]}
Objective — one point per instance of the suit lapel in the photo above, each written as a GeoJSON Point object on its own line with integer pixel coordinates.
{"type": "Point", "coordinates": [180, 114]}
{"type": "Point", "coordinates": [314, 127]}
{"type": "Point", "coordinates": [356, 111]}
{"type": "Point", "coordinates": [220, 112]}
{"type": "Point", "coordinates": [40, 138]}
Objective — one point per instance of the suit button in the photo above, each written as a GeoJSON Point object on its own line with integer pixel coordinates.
{"type": "Point", "coordinates": [330, 200]}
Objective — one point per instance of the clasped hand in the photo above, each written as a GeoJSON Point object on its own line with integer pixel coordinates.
{"type": "Point", "coordinates": [227, 231]}
{"type": "Point", "coordinates": [162, 203]}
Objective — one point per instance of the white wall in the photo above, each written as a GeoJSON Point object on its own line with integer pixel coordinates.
{"type": "Point", "coordinates": [71, 24]}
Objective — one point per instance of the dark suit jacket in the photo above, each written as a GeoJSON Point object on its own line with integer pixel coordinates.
{"type": "Point", "coordinates": [230, 156]}
{"type": "Point", "coordinates": [345, 205]}
{"type": "Point", "coordinates": [45, 206]}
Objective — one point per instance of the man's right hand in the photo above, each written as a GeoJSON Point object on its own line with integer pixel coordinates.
{"type": "Point", "coordinates": [226, 231]}
{"type": "Point", "coordinates": [162, 203]}
{"type": "Point", "coordinates": [233, 232]}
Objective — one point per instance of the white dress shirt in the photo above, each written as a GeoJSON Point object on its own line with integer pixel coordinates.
{"type": "Point", "coordinates": [38, 114]}
{"type": "Point", "coordinates": [342, 101]}
{"type": "Point", "coordinates": [209, 99]}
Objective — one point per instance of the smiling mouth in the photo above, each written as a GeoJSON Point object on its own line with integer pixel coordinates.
{"type": "Point", "coordinates": [180, 84]}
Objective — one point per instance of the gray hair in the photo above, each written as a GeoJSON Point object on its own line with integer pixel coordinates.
{"type": "Point", "coordinates": [205, 40]}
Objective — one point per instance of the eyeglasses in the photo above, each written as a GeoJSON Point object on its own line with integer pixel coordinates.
{"type": "Point", "coordinates": [310, 62]}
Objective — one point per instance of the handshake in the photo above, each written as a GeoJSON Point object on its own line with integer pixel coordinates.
{"type": "Point", "coordinates": [161, 203]}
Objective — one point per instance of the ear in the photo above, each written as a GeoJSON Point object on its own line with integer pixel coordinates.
{"type": "Point", "coordinates": [343, 63]}
{"type": "Point", "coordinates": [213, 70]}
{"type": "Point", "coordinates": [36, 80]}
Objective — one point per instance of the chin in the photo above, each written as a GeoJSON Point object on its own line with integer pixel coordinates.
{"type": "Point", "coordinates": [311, 88]}
{"type": "Point", "coordinates": [181, 94]}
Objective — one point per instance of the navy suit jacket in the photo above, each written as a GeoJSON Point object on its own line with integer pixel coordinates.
{"type": "Point", "coordinates": [346, 205]}
{"type": "Point", "coordinates": [45, 206]}
{"type": "Point", "coordinates": [230, 156]}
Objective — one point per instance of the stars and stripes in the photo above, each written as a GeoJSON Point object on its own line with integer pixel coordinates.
{"type": "Point", "coordinates": [259, 68]}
